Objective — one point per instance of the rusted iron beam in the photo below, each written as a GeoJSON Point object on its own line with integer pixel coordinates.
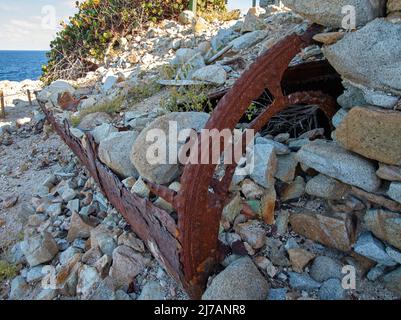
{"type": "Point", "coordinates": [2, 105]}
{"type": "Point", "coordinates": [153, 225]}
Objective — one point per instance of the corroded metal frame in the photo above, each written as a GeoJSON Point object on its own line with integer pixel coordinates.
{"type": "Point", "coordinates": [189, 249]}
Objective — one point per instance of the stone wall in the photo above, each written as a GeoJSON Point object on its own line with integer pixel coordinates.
{"type": "Point", "coordinates": [365, 154]}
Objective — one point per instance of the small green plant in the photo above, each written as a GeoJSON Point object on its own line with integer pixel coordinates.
{"type": "Point", "coordinates": [7, 270]}
{"type": "Point", "coordinates": [95, 27]}
{"type": "Point", "coordinates": [110, 107]}
{"type": "Point", "coordinates": [211, 5]}
{"type": "Point", "coordinates": [251, 112]}
{"type": "Point", "coordinates": [143, 91]}
{"type": "Point", "coordinates": [167, 71]}
{"type": "Point", "coordinates": [191, 98]}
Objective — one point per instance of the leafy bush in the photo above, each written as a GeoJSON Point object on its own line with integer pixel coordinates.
{"type": "Point", "coordinates": [211, 5]}
{"type": "Point", "coordinates": [99, 23]}
{"type": "Point", "coordinates": [7, 270]}
{"type": "Point", "coordinates": [185, 99]}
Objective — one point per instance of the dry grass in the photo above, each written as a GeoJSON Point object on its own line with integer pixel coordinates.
{"type": "Point", "coordinates": [110, 107]}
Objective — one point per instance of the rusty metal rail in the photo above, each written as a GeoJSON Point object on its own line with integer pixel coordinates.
{"type": "Point", "coordinates": [190, 249]}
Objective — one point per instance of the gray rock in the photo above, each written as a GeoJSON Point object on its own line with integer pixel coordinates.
{"type": "Point", "coordinates": [39, 249]}
{"type": "Point", "coordinates": [79, 243]}
{"type": "Point", "coordinates": [390, 173]}
{"type": "Point", "coordinates": [73, 205]}
{"type": "Point", "coordinates": [121, 295]}
{"type": "Point", "coordinates": [213, 74]}
{"type": "Point", "coordinates": [329, 158]}
{"type": "Point", "coordinates": [187, 17]}
{"type": "Point", "coordinates": [325, 268]}
{"type": "Point", "coordinates": [16, 254]}
{"type": "Point", "coordinates": [34, 274]}
{"type": "Point", "coordinates": [103, 291]}
{"type": "Point", "coordinates": [252, 232]}
{"type": "Point", "coordinates": [103, 131]}
{"type": "Point", "coordinates": [282, 222]}
{"type": "Point", "coordinates": [104, 238]}
{"type": "Point", "coordinates": [88, 280]}
{"type": "Point", "coordinates": [380, 99]}
{"type": "Point", "coordinates": [152, 291]}
{"type": "Point", "coordinates": [77, 133]}
{"type": "Point", "coordinates": [183, 55]}
{"type": "Point", "coordinates": [67, 195]}
{"type": "Point", "coordinates": [329, 12]}
{"type": "Point", "coordinates": [110, 80]}
{"type": "Point", "coordinates": [248, 40]}
{"type": "Point", "coordinates": [140, 188]}
{"type": "Point", "coordinates": [130, 240]}
{"type": "Point", "coordinates": [279, 148]}
{"type": "Point", "coordinates": [332, 290]}
{"type": "Point", "coordinates": [80, 227]}
{"type": "Point", "coordinates": [376, 272]}
{"type": "Point", "coordinates": [325, 187]}
{"type": "Point", "coordinates": [294, 190]}
{"type": "Point", "coordinates": [394, 192]}
{"type": "Point", "coordinates": [265, 165]}
{"type": "Point", "coordinates": [232, 209]}
{"type": "Point", "coordinates": [252, 22]}
{"type": "Point", "coordinates": [394, 254]}
{"type": "Point", "coordinates": [282, 137]}
{"type": "Point", "coordinates": [339, 117]}
{"type": "Point", "coordinates": [392, 281]}
{"type": "Point", "coordinates": [115, 152]}
{"type": "Point", "coordinates": [303, 282]}
{"type": "Point", "coordinates": [370, 247]}
{"type": "Point", "coordinates": [241, 280]}
{"type": "Point", "coordinates": [19, 289]}
{"type": "Point", "coordinates": [363, 59]}
{"type": "Point", "coordinates": [187, 62]}
{"type": "Point", "coordinates": [52, 92]}
{"type": "Point", "coordinates": [385, 225]}
{"type": "Point", "coordinates": [66, 255]}
{"type": "Point", "coordinates": [93, 120]}
{"type": "Point", "coordinates": [286, 167]}
{"type": "Point", "coordinates": [277, 294]}
{"type": "Point", "coordinates": [351, 97]}
{"type": "Point", "coordinates": [297, 144]}
{"type": "Point", "coordinates": [91, 256]}
{"type": "Point", "coordinates": [127, 264]}
{"type": "Point", "coordinates": [277, 253]}
{"type": "Point", "coordinates": [55, 209]}
{"type": "Point", "coordinates": [143, 152]}
{"type": "Point", "coordinates": [223, 37]}
{"type": "Point", "coordinates": [46, 295]}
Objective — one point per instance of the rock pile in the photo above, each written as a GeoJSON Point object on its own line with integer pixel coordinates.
{"type": "Point", "coordinates": [310, 209]}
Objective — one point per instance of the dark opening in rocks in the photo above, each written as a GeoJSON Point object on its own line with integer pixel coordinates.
{"type": "Point", "coordinates": [298, 119]}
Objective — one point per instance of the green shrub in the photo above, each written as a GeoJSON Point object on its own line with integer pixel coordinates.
{"type": "Point", "coordinates": [110, 107]}
{"type": "Point", "coordinates": [211, 5]}
{"type": "Point", "coordinates": [191, 98]}
{"type": "Point", "coordinates": [100, 23]}
{"type": "Point", "coordinates": [143, 91]}
{"type": "Point", "coordinates": [7, 270]}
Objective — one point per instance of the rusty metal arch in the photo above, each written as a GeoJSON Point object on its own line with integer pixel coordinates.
{"type": "Point", "coordinates": [189, 250]}
{"type": "Point", "coordinates": [199, 209]}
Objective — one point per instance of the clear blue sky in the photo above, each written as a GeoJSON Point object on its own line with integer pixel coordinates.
{"type": "Point", "coordinates": [32, 24]}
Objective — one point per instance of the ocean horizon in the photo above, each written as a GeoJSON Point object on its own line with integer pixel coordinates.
{"type": "Point", "coordinates": [19, 65]}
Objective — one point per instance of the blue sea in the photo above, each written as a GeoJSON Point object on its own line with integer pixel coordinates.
{"type": "Point", "coordinates": [21, 65]}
